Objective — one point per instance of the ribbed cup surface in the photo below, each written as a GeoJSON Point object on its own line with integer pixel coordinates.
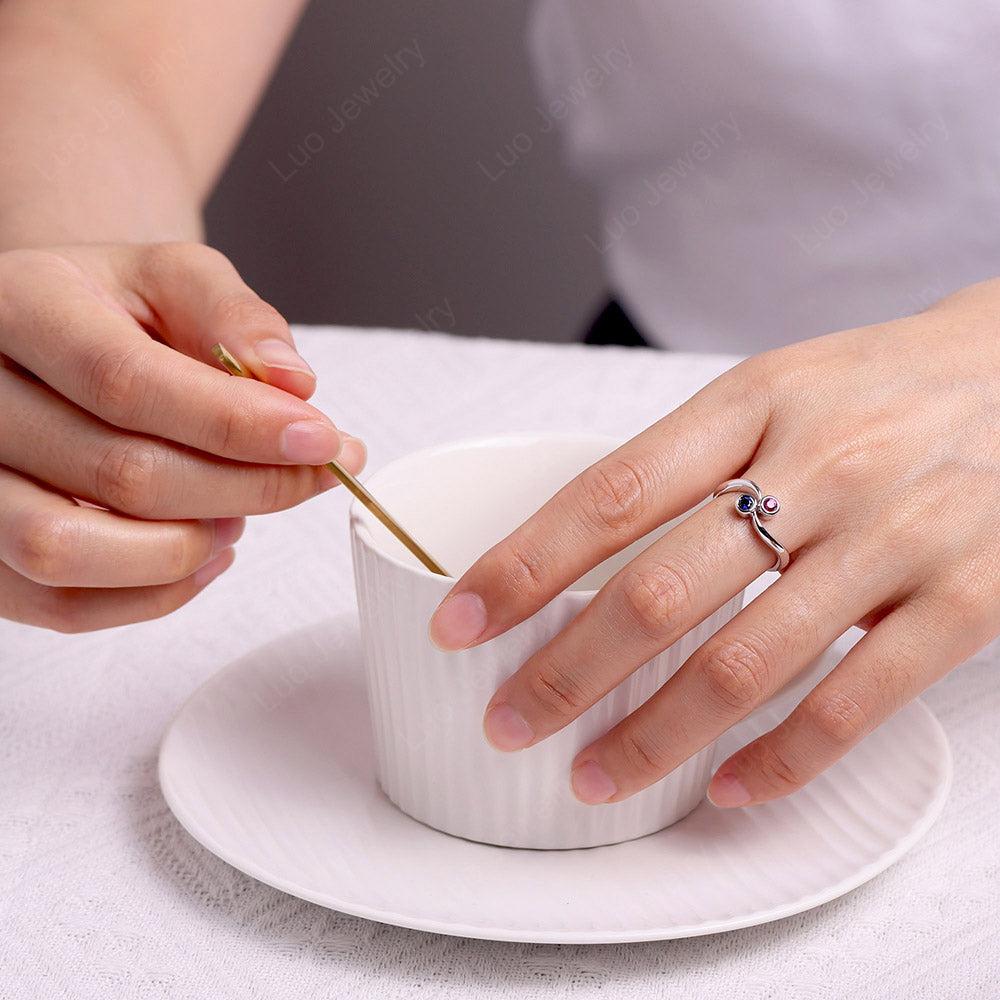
{"type": "Point", "coordinates": [433, 761]}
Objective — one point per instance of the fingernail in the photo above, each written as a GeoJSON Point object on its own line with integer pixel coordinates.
{"type": "Point", "coordinates": [227, 532]}
{"type": "Point", "coordinates": [506, 729]}
{"type": "Point", "coordinates": [278, 354]}
{"type": "Point", "coordinates": [215, 568]}
{"type": "Point", "coordinates": [591, 784]}
{"type": "Point", "coordinates": [458, 622]}
{"type": "Point", "coordinates": [309, 442]}
{"type": "Point", "coordinates": [353, 454]}
{"type": "Point", "coordinates": [726, 791]}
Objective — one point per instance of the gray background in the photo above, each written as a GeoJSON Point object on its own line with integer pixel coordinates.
{"type": "Point", "coordinates": [400, 219]}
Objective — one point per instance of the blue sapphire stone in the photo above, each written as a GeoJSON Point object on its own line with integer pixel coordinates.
{"type": "Point", "coordinates": [746, 503]}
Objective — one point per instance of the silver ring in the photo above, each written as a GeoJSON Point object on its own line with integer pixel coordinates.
{"type": "Point", "coordinates": [752, 503]}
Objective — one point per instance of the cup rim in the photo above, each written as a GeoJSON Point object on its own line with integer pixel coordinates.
{"type": "Point", "coordinates": [359, 513]}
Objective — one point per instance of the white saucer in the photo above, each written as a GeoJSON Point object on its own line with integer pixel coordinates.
{"type": "Point", "coordinates": [269, 765]}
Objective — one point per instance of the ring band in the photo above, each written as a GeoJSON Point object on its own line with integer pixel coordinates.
{"type": "Point", "coordinates": [753, 503]}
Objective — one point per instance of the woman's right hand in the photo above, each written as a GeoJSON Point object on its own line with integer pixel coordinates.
{"type": "Point", "coordinates": [109, 394]}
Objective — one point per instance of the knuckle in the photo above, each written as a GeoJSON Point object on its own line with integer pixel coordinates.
{"type": "Point", "coordinates": [655, 596]}
{"type": "Point", "coordinates": [964, 602]}
{"type": "Point", "coordinates": [41, 549]}
{"type": "Point", "coordinates": [848, 459]}
{"type": "Point", "coordinates": [225, 431]}
{"type": "Point", "coordinates": [520, 567]}
{"type": "Point", "coordinates": [903, 529]}
{"type": "Point", "coordinates": [755, 388]}
{"type": "Point", "coordinates": [851, 457]}
{"type": "Point", "coordinates": [273, 488]}
{"type": "Point", "coordinates": [736, 674]}
{"type": "Point", "coordinates": [785, 372]}
{"type": "Point", "coordinates": [274, 493]}
{"type": "Point", "coordinates": [126, 478]}
{"type": "Point", "coordinates": [839, 719]}
{"type": "Point", "coordinates": [557, 692]}
{"type": "Point", "coordinates": [115, 382]}
{"type": "Point", "coordinates": [614, 494]}
{"type": "Point", "coordinates": [241, 309]}
{"type": "Point", "coordinates": [774, 769]}
{"type": "Point", "coordinates": [644, 756]}
{"type": "Point", "coordinates": [59, 610]}
{"type": "Point", "coordinates": [179, 556]}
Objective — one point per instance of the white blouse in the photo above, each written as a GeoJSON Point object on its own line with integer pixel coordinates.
{"type": "Point", "coordinates": [771, 170]}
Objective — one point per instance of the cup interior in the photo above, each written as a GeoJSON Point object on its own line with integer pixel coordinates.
{"type": "Point", "coordinates": [459, 500]}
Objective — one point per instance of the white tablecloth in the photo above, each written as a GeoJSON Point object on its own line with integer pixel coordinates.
{"type": "Point", "coordinates": [105, 895]}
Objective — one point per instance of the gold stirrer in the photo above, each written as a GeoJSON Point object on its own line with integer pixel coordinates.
{"type": "Point", "coordinates": [235, 368]}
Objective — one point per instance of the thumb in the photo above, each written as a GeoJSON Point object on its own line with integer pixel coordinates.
{"type": "Point", "coordinates": [196, 298]}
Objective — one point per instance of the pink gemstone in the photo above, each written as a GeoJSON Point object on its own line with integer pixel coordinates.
{"type": "Point", "coordinates": [769, 505]}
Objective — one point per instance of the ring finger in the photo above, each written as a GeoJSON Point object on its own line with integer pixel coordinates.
{"type": "Point", "coordinates": [675, 583]}
{"type": "Point", "coordinates": [76, 609]}
{"type": "Point", "coordinates": [50, 540]}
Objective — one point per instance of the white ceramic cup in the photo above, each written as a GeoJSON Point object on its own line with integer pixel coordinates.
{"type": "Point", "coordinates": [432, 759]}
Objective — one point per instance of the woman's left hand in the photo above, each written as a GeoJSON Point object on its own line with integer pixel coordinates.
{"type": "Point", "coordinates": [883, 446]}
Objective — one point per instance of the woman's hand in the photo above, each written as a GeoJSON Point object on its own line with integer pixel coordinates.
{"type": "Point", "coordinates": [883, 446]}
{"type": "Point", "coordinates": [109, 394]}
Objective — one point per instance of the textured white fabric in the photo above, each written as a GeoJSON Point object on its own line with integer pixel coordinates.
{"type": "Point", "coordinates": [104, 895]}
{"type": "Point", "coordinates": [772, 171]}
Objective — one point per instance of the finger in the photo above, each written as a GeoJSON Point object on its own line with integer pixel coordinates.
{"type": "Point", "coordinates": [659, 596]}
{"type": "Point", "coordinates": [653, 478]}
{"type": "Point", "coordinates": [56, 443]}
{"type": "Point", "coordinates": [103, 361]}
{"type": "Point", "coordinates": [886, 669]}
{"type": "Point", "coordinates": [200, 300]}
{"type": "Point", "coordinates": [745, 663]}
{"type": "Point", "coordinates": [47, 538]}
{"type": "Point", "coordinates": [74, 609]}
